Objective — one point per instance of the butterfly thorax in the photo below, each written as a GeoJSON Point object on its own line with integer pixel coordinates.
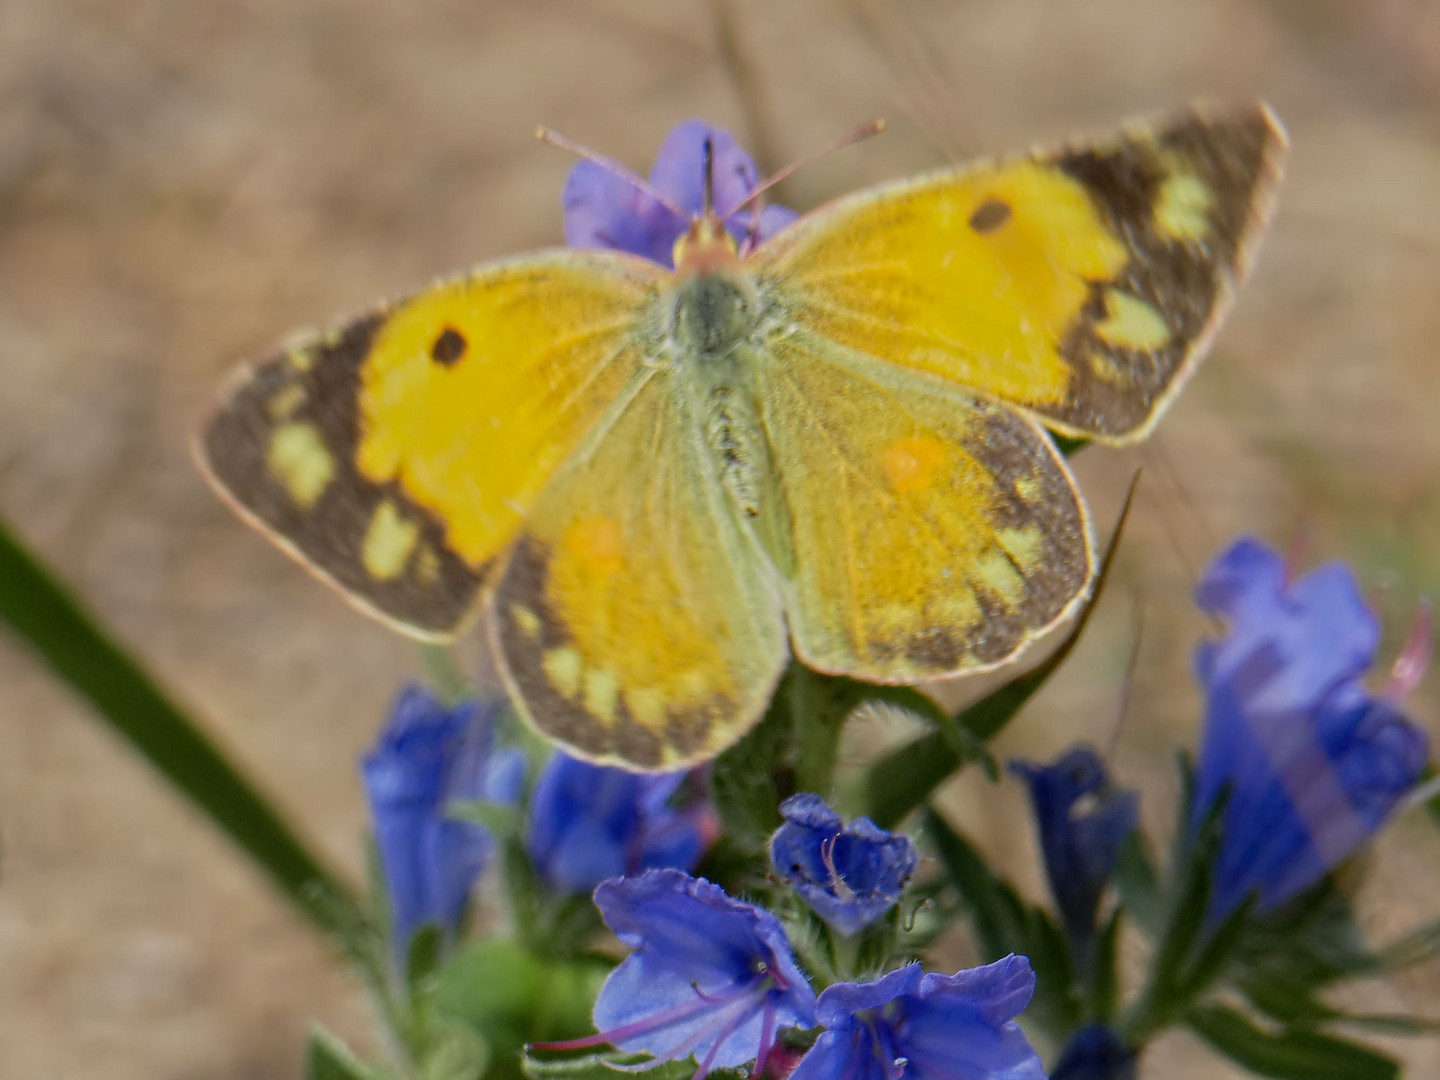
{"type": "Point", "coordinates": [714, 305]}
{"type": "Point", "coordinates": [715, 315]}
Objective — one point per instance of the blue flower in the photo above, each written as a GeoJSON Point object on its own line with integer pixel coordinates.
{"type": "Point", "coordinates": [1314, 763]}
{"type": "Point", "coordinates": [603, 210]}
{"type": "Point", "coordinates": [710, 977]}
{"type": "Point", "coordinates": [1080, 841]}
{"type": "Point", "coordinates": [926, 1027]}
{"type": "Point", "coordinates": [589, 823]}
{"type": "Point", "coordinates": [850, 875]}
{"type": "Point", "coordinates": [1096, 1053]}
{"type": "Point", "coordinates": [426, 757]}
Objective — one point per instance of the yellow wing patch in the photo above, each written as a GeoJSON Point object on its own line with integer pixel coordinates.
{"type": "Point", "coordinates": [1082, 283]}
{"type": "Point", "coordinates": [398, 456]}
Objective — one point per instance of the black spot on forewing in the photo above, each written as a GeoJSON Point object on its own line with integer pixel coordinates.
{"type": "Point", "coordinates": [448, 347]}
{"type": "Point", "coordinates": [329, 534]}
{"type": "Point", "coordinates": [990, 215]}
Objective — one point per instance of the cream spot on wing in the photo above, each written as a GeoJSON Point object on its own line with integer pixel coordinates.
{"type": "Point", "coordinates": [602, 693]}
{"type": "Point", "coordinates": [693, 685]}
{"type": "Point", "coordinates": [389, 541]}
{"type": "Point", "coordinates": [1105, 368]}
{"type": "Point", "coordinates": [427, 565]}
{"type": "Point", "coordinates": [910, 464]}
{"type": "Point", "coordinates": [284, 404]}
{"type": "Point", "coordinates": [1024, 544]}
{"type": "Point", "coordinates": [298, 459]}
{"type": "Point", "coordinates": [526, 620]}
{"type": "Point", "coordinates": [1028, 488]}
{"type": "Point", "coordinates": [647, 707]}
{"type": "Point", "coordinates": [1182, 208]}
{"type": "Point", "coordinates": [302, 356]}
{"type": "Point", "coordinates": [564, 668]}
{"type": "Point", "coordinates": [997, 575]}
{"type": "Point", "coordinates": [1132, 323]}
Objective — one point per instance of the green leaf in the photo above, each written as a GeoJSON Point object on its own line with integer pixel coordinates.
{"type": "Point", "coordinates": [1138, 885]}
{"type": "Point", "coordinates": [1056, 1006]}
{"type": "Point", "coordinates": [1000, 919]}
{"type": "Point", "coordinates": [454, 1052]}
{"type": "Point", "coordinates": [422, 956]}
{"type": "Point", "coordinates": [1105, 978]}
{"type": "Point", "coordinates": [605, 1066]}
{"type": "Point", "coordinates": [498, 818]}
{"type": "Point", "coordinates": [1218, 950]}
{"type": "Point", "coordinates": [1288, 1055]}
{"type": "Point", "coordinates": [78, 650]}
{"type": "Point", "coordinates": [1295, 1006]}
{"type": "Point", "coordinates": [751, 779]}
{"type": "Point", "coordinates": [327, 1058]}
{"type": "Point", "coordinates": [513, 997]}
{"type": "Point", "coordinates": [906, 777]}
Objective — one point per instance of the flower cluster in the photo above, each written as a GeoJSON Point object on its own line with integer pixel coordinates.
{"type": "Point", "coordinates": [715, 978]}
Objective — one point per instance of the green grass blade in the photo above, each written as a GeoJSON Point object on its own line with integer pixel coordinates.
{"type": "Point", "coordinates": [69, 641]}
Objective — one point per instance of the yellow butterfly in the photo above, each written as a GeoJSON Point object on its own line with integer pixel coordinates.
{"type": "Point", "coordinates": [657, 483]}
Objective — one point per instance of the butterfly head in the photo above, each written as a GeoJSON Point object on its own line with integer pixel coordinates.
{"type": "Point", "coordinates": [705, 248]}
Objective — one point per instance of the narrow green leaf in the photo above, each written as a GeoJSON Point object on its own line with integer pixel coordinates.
{"type": "Point", "coordinates": [69, 641]}
{"type": "Point", "coordinates": [500, 819]}
{"type": "Point", "coordinates": [1105, 976]}
{"type": "Point", "coordinates": [1056, 1006]}
{"type": "Point", "coordinates": [422, 956]}
{"type": "Point", "coordinates": [998, 913]}
{"type": "Point", "coordinates": [933, 758]}
{"type": "Point", "coordinates": [607, 1066]}
{"type": "Point", "coordinates": [455, 1052]}
{"type": "Point", "coordinates": [1138, 885]}
{"type": "Point", "coordinates": [327, 1058]}
{"type": "Point", "coordinates": [1217, 951]}
{"type": "Point", "coordinates": [1288, 1055]}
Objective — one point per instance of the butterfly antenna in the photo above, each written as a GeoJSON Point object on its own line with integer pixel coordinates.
{"type": "Point", "coordinates": [858, 135]}
{"type": "Point", "coordinates": [614, 168]}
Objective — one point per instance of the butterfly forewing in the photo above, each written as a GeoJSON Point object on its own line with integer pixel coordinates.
{"type": "Point", "coordinates": [398, 456]}
{"type": "Point", "coordinates": [1083, 284]}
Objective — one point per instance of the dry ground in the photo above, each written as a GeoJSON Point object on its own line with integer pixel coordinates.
{"type": "Point", "coordinates": [184, 181]}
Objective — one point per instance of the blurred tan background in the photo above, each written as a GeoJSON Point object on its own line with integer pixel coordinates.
{"type": "Point", "coordinates": [183, 182]}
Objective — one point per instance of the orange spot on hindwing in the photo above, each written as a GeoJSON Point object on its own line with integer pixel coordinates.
{"type": "Point", "coordinates": [910, 464]}
{"type": "Point", "coordinates": [597, 544]}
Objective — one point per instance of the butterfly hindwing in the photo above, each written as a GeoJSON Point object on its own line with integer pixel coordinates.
{"type": "Point", "coordinates": [635, 620]}
{"type": "Point", "coordinates": [933, 531]}
{"type": "Point", "coordinates": [398, 456]}
{"type": "Point", "coordinates": [1083, 284]}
